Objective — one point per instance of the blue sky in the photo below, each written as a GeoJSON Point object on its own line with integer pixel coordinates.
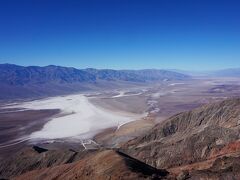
{"type": "Point", "coordinates": [121, 34]}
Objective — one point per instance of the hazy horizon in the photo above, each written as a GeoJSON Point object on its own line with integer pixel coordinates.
{"type": "Point", "coordinates": [168, 69]}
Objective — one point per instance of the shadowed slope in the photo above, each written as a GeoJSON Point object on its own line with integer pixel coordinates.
{"type": "Point", "coordinates": [103, 165]}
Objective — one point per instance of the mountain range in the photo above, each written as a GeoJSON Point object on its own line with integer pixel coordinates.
{"type": "Point", "coordinates": [34, 81]}
{"type": "Point", "coordinates": [20, 75]}
{"type": "Point", "coordinates": [231, 72]}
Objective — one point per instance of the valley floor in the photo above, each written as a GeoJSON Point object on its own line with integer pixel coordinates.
{"type": "Point", "coordinates": [104, 119]}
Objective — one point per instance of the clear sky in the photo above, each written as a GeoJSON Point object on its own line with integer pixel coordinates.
{"type": "Point", "coordinates": [121, 34]}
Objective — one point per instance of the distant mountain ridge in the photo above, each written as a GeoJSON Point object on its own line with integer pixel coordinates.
{"type": "Point", "coordinates": [232, 72]}
{"type": "Point", "coordinates": [34, 81]}
{"type": "Point", "coordinates": [14, 74]}
{"type": "Point", "coordinates": [19, 75]}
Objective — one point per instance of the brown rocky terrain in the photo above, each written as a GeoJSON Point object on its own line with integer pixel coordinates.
{"type": "Point", "coordinates": [35, 158]}
{"type": "Point", "coordinates": [202, 141]}
{"type": "Point", "coordinates": [103, 165]}
{"type": "Point", "coordinates": [199, 144]}
{"type": "Point", "coordinates": [40, 163]}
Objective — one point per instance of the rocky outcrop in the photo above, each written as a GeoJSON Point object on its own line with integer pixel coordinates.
{"type": "Point", "coordinates": [40, 163]}
{"type": "Point", "coordinates": [201, 135]}
{"type": "Point", "coordinates": [107, 164]}
{"type": "Point", "coordinates": [36, 158]}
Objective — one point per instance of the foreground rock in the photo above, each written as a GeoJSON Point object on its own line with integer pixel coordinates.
{"type": "Point", "coordinates": [107, 164]}
{"type": "Point", "coordinates": [39, 163]}
{"type": "Point", "coordinates": [199, 143]}
{"type": "Point", "coordinates": [36, 158]}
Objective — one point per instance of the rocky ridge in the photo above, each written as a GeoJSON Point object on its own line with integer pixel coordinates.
{"type": "Point", "coordinates": [193, 141]}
